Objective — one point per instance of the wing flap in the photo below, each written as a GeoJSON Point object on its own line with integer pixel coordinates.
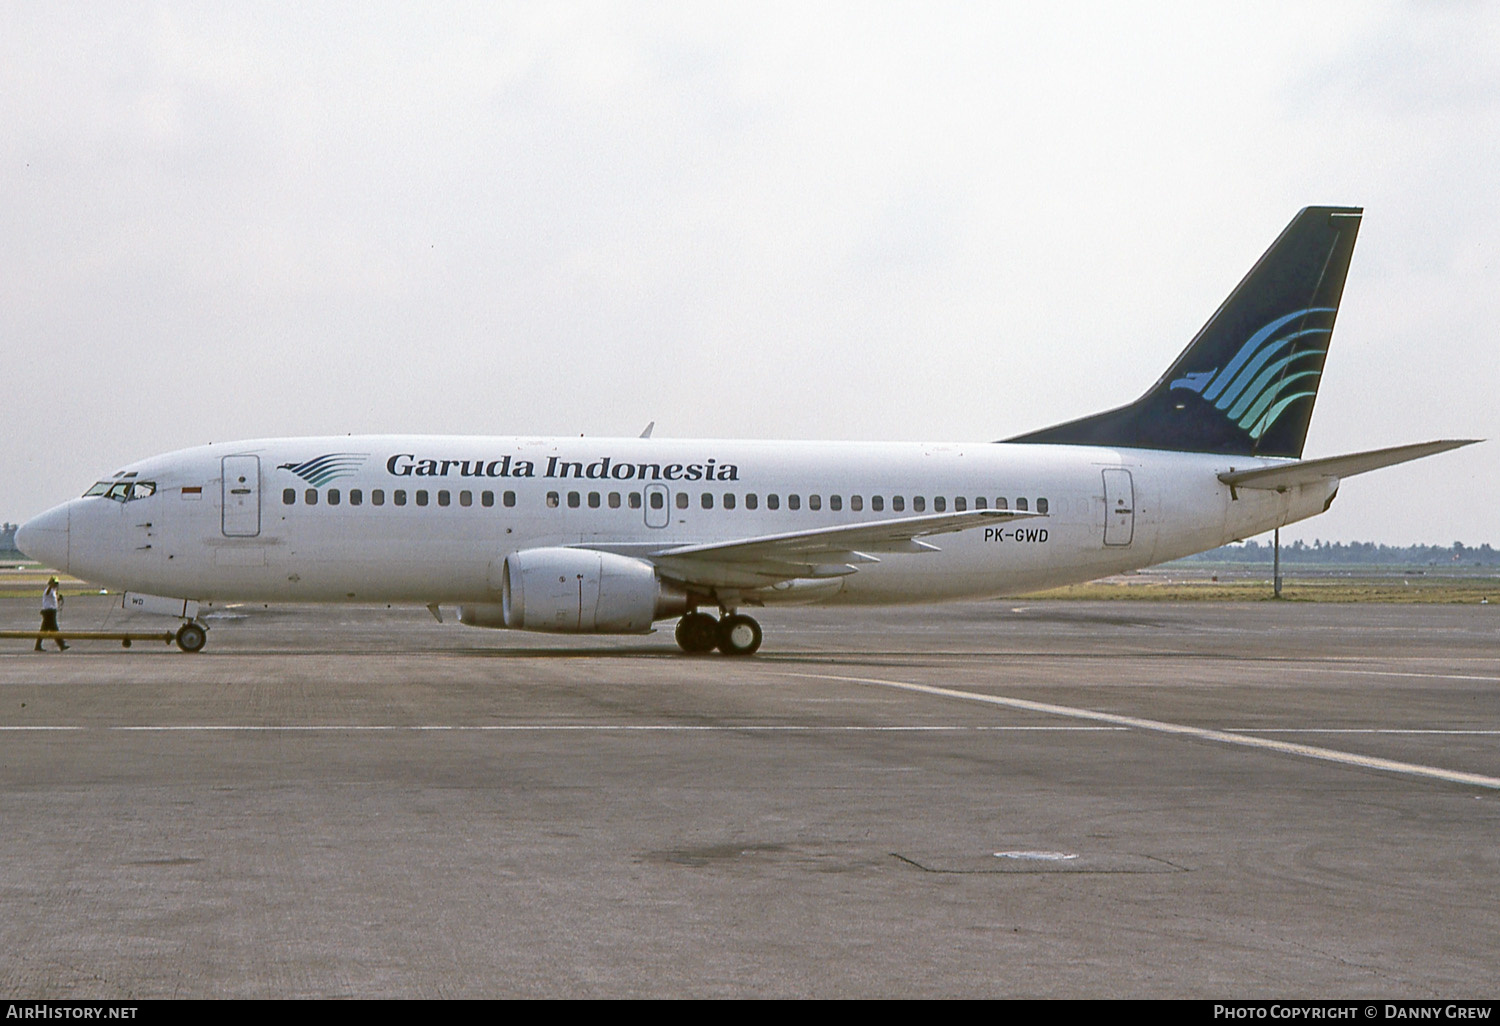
{"type": "Point", "coordinates": [748, 574]}
{"type": "Point", "coordinates": [846, 537]}
{"type": "Point", "coordinates": [823, 552]}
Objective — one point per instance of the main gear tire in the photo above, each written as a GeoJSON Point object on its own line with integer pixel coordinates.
{"type": "Point", "coordinates": [739, 635]}
{"type": "Point", "coordinates": [697, 633]}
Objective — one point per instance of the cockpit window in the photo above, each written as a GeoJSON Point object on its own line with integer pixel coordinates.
{"type": "Point", "coordinates": [122, 491]}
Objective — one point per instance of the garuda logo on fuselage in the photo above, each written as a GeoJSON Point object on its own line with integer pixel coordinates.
{"type": "Point", "coordinates": [1258, 385]}
{"type": "Point", "coordinates": [320, 470]}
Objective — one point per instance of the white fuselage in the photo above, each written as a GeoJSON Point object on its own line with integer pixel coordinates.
{"type": "Point", "coordinates": [429, 519]}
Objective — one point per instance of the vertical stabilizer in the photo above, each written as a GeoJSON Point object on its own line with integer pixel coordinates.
{"type": "Point", "coordinates": [1246, 383]}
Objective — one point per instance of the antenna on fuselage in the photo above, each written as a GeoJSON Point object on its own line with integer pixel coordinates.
{"type": "Point", "coordinates": [647, 433]}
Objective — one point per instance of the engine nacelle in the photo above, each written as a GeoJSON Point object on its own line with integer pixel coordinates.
{"type": "Point", "coordinates": [577, 591]}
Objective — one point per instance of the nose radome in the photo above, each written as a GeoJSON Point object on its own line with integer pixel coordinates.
{"type": "Point", "coordinates": [45, 538]}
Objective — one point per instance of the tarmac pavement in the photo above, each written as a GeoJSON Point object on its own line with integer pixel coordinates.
{"type": "Point", "coordinates": [1012, 798]}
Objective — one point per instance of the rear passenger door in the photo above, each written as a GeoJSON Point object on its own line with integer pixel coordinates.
{"type": "Point", "coordinates": [1119, 508]}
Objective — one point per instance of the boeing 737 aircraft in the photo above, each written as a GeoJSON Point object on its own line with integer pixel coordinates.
{"type": "Point", "coordinates": [596, 536]}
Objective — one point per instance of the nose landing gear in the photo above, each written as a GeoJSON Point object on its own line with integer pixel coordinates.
{"type": "Point", "coordinates": [734, 634]}
{"type": "Point", "coordinates": [191, 637]}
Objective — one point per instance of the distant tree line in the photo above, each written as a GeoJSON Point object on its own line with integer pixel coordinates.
{"type": "Point", "coordinates": [1457, 554]}
{"type": "Point", "coordinates": [8, 541]}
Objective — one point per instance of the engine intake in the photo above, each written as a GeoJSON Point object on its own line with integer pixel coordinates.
{"type": "Point", "coordinates": [577, 591]}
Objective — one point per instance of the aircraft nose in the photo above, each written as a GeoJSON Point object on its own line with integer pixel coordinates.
{"type": "Point", "coordinates": [45, 538]}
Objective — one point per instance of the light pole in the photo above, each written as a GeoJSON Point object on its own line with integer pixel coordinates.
{"type": "Point", "coordinates": [1276, 562]}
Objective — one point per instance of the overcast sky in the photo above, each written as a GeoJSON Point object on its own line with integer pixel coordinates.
{"type": "Point", "coordinates": [916, 221]}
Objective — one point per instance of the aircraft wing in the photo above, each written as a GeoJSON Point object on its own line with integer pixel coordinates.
{"type": "Point", "coordinates": [1290, 475]}
{"type": "Point", "coordinates": [818, 553]}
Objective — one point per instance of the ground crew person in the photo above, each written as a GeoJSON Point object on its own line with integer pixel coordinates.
{"type": "Point", "coordinates": [51, 602]}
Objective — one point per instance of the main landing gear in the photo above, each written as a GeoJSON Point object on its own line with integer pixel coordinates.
{"type": "Point", "coordinates": [735, 634]}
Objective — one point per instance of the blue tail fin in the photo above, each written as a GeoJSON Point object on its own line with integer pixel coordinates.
{"type": "Point", "coordinates": [1246, 384]}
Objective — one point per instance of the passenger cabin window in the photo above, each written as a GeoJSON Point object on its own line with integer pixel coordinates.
{"type": "Point", "coordinates": [466, 498]}
{"type": "Point", "coordinates": [1041, 505]}
{"type": "Point", "coordinates": [960, 504]}
{"type": "Point", "coordinates": [399, 496]}
{"type": "Point", "coordinates": [289, 496]}
{"type": "Point", "coordinates": [356, 497]}
{"type": "Point", "coordinates": [311, 496]}
{"type": "Point", "coordinates": [594, 500]}
{"type": "Point", "coordinates": [574, 500]}
{"type": "Point", "coordinates": [1022, 504]}
{"type": "Point", "coordinates": [421, 496]}
{"type": "Point", "coordinates": [898, 503]}
{"type": "Point", "coordinates": [835, 502]}
{"type": "Point", "coordinates": [1001, 504]}
{"type": "Point", "coordinates": [815, 502]}
{"type": "Point", "coordinates": [377, 497]}
{"type": "Point", "coordinates": [752, 501]}
{"type": "Point", "coordinates": [444, 498]}
{"type": "Point", "coordinates": [635, 501]}
{"type": "Point", "coordinates": [729, 500]}
{"type": "Point", "coordinates": [919, 504]}
{"type": "Point", "coordinates": [509, 498]}
{"type": "Point", "coordinates": [333, 496]}
{"type": "Point", "coordinates": [658, 500]}
{"type": "Point", "coordinates": [553, 500]}
{"type": "Point", "coordinates": [877, 503]}
{"type": "Point", "coordinates": [682, 500]}
{"type": "Point", "coordinates": [614, 500]}
{"type": "Point", "coordinates": [706, 500]}
{"type": "Point", "coordinates": [773, 501]}
{"type": "Point", "coordinates": [794, 502]}
{"type": "Point", "coordinates": [856, 503]}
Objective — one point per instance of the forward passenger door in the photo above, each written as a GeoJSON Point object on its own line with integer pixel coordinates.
{"type": "Point", "coordinates": [241, 496]}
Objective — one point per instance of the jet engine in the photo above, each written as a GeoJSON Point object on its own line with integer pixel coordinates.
{"type": "Point", "coordinates": [577, 591]}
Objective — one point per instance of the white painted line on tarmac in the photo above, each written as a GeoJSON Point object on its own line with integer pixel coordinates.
{"type": "Point", "coordinates": [1362, 730]}
{"type": "Point", "coordinates": [1181, 730]}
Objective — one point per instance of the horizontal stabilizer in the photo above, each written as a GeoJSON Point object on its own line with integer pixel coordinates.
{"type": "Point", "coordinates": [1290, 475]}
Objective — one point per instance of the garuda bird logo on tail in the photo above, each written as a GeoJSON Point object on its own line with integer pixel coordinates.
{"type": "Point", "coordinates": [1270, 372]}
